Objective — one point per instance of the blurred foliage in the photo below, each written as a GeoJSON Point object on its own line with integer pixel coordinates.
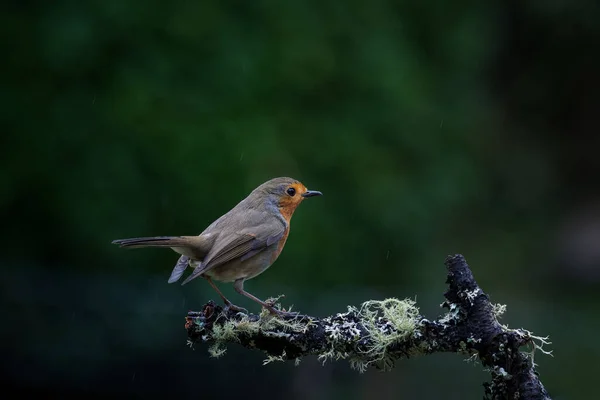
{"type": "Point", "coordinates": [431, 127]}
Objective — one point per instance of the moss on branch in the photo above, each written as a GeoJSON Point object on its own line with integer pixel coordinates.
{"type": "Point", "coordinates": [378, 333]}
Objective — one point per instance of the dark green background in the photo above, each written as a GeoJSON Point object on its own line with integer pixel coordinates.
{"type": "Point", "coordinates": [432, 128]}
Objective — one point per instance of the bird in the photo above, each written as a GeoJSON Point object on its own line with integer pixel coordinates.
{"type": "Point", "coordinates": [239, 245]}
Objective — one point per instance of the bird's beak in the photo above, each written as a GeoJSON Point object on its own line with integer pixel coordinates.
{"type": "Point", "coordinates": [311, 193]}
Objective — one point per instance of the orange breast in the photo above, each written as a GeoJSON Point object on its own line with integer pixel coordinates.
{"type": "Point", "coordinates": [281, 243]}
{"type": "Point", "coordinates": [287, 206]}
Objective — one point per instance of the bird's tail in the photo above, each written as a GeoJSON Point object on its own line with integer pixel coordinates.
{"type": "Point", "coordinates": [156, 241]}
{"type": "Point", "coordinates": [183, 245]}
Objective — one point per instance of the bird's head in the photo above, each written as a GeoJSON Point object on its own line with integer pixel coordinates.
{"type": "Point", "coordinates": [285, 193]}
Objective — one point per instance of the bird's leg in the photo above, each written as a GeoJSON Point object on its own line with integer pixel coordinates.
{"type": "Point", "coordinates": [239, 287]}
{"type": "Point", "coordinates": [228, 304]}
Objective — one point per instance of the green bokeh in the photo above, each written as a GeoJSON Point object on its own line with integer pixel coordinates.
{"type": "Point", "coordinates": [432, 128]}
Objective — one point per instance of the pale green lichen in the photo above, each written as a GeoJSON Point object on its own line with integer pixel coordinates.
{"type": "Point", "coordinates": [498, 310]}
{"type": "Point", "coordinates": [268, 324]}
{"type": "Point", "coordinates": [473, 340]}
{"type": "Point", "coordinates": [332, 354]}
{"type": "Point", "coordinates": [245, 326]}
{"type": "Point", "coordinates": [472, 295]}
{"type": "Point", "coordinates": [401, 316]}
{"type": "Point", "coordinates": [217, 350]}
{"type": "Point", "coordinates": [271, 358]}
{"type": "Point", "coordinates": [464, 348]}
{"type": "Point", "coordinates": [451, 316]}
{"type": "Point", "coordinates": [474, 359]}
{"type": "Point", "coordinates": [226, 332]}
{"type": "Point", "coordinates": [358, 364]}
{"type": "Point", "coordinates": [536, 343]}
{"type": "Point", "coordinates": [386, 322]}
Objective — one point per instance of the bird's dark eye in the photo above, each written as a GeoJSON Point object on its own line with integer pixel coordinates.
{"type": "Point", "coordinates": [291, 191]}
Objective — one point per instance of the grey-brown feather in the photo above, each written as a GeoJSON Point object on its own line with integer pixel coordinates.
{"type": "Point", "coordinates": [156, 241]}
{"type": "Point", "coordinates": [241, 238]}
{"type": "Point", "coordinates": [179, 268]}
{"type": "Point", "coordinates": [191, 246]}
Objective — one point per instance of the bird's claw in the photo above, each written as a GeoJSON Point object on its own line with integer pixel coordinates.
{"type": "Point", "coordinates": [271, 302]}
{"type": "Point", "coordinates": [292, 314]}
{"type": "Point", "coordinates": [233, 307]}
{"type": "Point", "coordinates": [289, 314]}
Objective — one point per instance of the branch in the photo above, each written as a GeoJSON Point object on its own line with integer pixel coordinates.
{"type": "Point", "coordinates": [381, 332]}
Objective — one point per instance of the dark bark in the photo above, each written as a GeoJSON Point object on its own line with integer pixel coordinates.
{"type": "Point", "coordinates": [379, 333]}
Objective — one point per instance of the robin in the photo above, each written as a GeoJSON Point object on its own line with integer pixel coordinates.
{"type": "Point", "coordinates": [239, 245]}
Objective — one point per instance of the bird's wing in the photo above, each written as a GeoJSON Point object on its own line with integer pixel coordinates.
{"type": "Point", "coordinates": [179, 268]}
{"type": "Point", "coordinates": [242, 244]}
